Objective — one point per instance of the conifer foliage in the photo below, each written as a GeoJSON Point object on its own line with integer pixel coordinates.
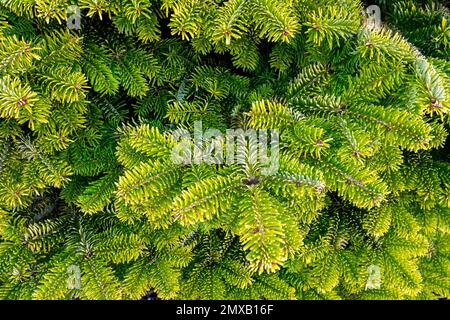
{"type": "Point", "coordinates": [92, 205]}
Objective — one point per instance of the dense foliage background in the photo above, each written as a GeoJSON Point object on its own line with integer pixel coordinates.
{"type": "Point", "coordinates": [92, 207]}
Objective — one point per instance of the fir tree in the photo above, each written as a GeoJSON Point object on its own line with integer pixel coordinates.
{"type": "Point", "coordinates": [92, 205]}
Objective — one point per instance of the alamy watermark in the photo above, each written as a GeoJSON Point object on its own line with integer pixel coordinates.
{"type": "Point", "coordinates": [372, 14]}
{"type": "Point", "coordinates": [374, 277]}
{"type": "Point", "coordinates": [257, 148]}
{"type": "Point", "coordinates": [74, 277]}
{"type": "Point", "coordinates": [74, 17]}
{"type": "Point", "coordinates": [373, 17]}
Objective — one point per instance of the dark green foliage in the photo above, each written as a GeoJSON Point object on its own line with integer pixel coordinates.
{"type": "Point", "coordinates": [92, 205]}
